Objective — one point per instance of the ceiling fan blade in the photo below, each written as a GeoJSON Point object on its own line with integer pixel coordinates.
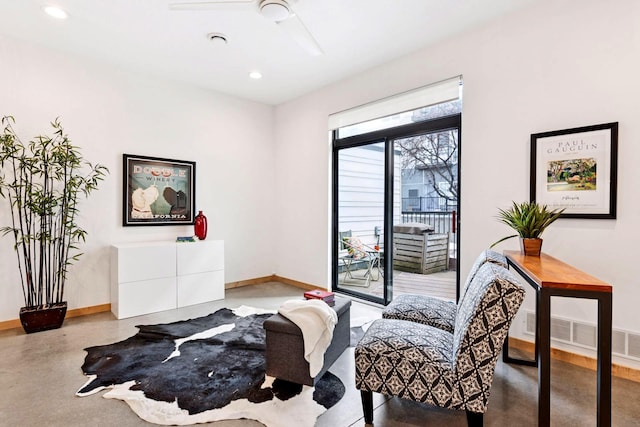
{"type": "Point", "coordinates": [202, 5]}
{"type": "Point", "coordinates": [297, 30]}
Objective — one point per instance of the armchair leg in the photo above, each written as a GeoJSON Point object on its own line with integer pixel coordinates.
{"type": "Point", "coordinates": [367, 406]}
{"type": "Point", "coordinates": [474, 419]}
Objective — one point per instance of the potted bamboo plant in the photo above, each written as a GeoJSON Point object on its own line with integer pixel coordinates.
{"type": "Point", "coordinates": [43, 181]}
{"type": "Point", "coordinates": [529, 220]}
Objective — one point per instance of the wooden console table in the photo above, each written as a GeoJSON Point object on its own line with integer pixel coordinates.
{"type": "Point", "coordinates": [551, 277]}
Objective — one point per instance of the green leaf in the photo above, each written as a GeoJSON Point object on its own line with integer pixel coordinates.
{"type": "Point", "coordinates": [528, 219]}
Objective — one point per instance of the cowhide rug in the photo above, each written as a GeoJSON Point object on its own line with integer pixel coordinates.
{"type": "Point", "coordinates": [201, 370]}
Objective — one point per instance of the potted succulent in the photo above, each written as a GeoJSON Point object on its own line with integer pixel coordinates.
{"type": "Point", "coordinates": [43, 181]}
{"type": "Point", "coordinates": [529, 220]}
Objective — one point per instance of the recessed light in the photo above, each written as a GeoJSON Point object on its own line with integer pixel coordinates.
{"type": "Point", "coordinates": [55, 12]}
{"type": "Point", "coordinates": [217, 38]}
{"type": "Point", "coordinates": [255, 75]}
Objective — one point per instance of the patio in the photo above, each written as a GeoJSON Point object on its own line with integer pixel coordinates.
{"type": "Point", "coordinates": [441, 285]}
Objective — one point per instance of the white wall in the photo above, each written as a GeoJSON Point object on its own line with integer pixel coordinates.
{"type": "Point", "coordinates": [108, 112]}
{"type": "Point", "coordinates": [551, 66]}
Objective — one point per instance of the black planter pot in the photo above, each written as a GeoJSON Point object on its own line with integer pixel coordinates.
{"type": "Point", "coordinates": [40, 318]}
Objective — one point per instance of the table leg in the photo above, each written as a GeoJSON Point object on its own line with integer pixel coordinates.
{"type": "Point", "coordinates": [544, 357]}
{"type": "Point", "coordinates": [604, 360]}
{"type": "Point", "coordinates": [506, 358]}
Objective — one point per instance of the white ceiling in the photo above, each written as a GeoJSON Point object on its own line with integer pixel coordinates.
{"type": "Point", "coordinates": [145, 36]}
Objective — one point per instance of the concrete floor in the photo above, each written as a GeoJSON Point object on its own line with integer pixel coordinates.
{"type": "Point", "coordinates": [40, 373]}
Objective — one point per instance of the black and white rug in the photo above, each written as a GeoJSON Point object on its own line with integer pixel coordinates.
{"type": "Point", "coordinates": [201, 370]}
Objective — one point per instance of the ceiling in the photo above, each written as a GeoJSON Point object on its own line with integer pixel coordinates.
{"type": "Point", "coordinates": [146, 36]}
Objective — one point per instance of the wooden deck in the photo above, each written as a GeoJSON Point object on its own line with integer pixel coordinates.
{"type": "Point", "coordinates": [441, 285]}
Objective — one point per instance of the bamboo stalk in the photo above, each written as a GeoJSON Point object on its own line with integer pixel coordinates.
{"type": "Point", "coordinates": [43, 197]}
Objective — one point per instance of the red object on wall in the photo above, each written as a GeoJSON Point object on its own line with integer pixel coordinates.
{"type": "Point", "coordinates": [200, 226]}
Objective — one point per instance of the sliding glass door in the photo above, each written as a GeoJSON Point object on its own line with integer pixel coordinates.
{"type": "Point", "coordinates": [359, 219]}
{"type": "Point", "coordinates": [396, 210]}
{"type": "Point", "coordinates": [425, 222]}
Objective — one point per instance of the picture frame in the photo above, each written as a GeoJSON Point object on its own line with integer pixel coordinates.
{"type": "Point", "coordinates": [157, 191]}
{"type": "Point", "coordinates": [576, 170]}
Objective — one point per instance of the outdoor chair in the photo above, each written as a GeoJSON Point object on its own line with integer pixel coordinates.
{"type": "Point", "coordinates": [455, 370]}
{"type": "Point", "coordinates": [357, 255]}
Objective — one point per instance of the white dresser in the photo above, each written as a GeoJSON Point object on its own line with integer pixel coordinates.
{"type": "Point", "coordinates": [148, 277]}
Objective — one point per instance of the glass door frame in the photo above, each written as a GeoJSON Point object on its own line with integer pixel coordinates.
{"type": "Point", "coordinates": [387, 136]}
{"type": "Point", "coordinates": [353, 142]}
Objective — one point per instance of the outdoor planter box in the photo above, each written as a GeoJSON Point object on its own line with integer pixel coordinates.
{"type": "Point", "coordinates": [418, 251]}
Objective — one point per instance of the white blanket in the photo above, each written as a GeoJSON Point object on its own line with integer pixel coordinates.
{"type": "Point", "coordinates": [316, 320]}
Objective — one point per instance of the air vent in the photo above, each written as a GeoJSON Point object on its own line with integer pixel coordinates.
{"type": "Point", "coordinates": [584, 334]}
{"type": "Point", "coordinates": [623, 343]}
{"type": "Point", "coordinates": [560, 329]}
{"type": "Point", "coordinates": [618, 344]}
{"type": "Point", "coordinates": [531, 322]}
{"type": "Point", "coordinates": [634, 345]}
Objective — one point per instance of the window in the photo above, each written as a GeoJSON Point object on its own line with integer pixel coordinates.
{"type": "Point", "coordinates": [376, 185]}
{"type": "Point", "coordinates": [439, 99]}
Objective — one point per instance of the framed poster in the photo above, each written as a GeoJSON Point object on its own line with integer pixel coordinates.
{"type": "Point", "coordinates": [158, 191]}
{"type": "Point", "coordinates": [576, 169]}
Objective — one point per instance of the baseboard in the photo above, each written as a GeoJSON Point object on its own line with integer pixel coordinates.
{"type": "Point", "coordinates": [578, 359]}
{"type": "Point", "coordinates": [269, 279]}
{"type": "Point", "coordinates": [297, 284]}
{"type": "Point", "coordinates": [10, 324]}
{"type": "Point", "coordinates": [76, 312]}
{"type": "Point", "coordinates": [249, 282]}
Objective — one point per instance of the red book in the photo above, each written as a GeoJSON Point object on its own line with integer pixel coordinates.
{"type": "Point", "coordinates": [319, 294]}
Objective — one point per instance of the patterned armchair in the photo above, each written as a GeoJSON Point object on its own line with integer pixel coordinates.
{"type": "Point", "coordinates": [433, 311]}
{"type": "Point", "coordinates": [427, 364]}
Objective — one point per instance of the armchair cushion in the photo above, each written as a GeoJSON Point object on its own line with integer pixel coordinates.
{"type": "Point", "coordinates": [407, 359]}
{"type": "Point", "coordinates": [423, 309]}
